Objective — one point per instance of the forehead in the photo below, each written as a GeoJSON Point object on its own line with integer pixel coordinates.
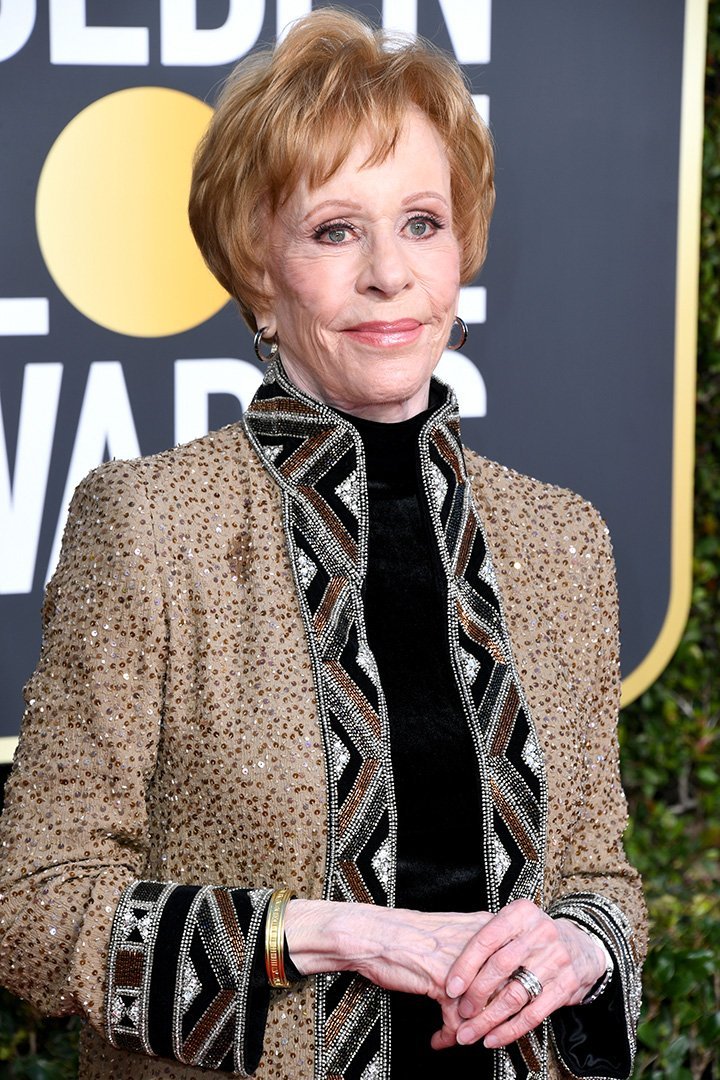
{"type": "Point", "coordinates": [417, 161]}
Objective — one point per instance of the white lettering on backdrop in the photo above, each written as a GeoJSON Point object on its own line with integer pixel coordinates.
{"type": "Point", "coordinates": [22, 496]}
{"type": "Point", "coordinates": [106, 427]}
{"type": "Point", "coordinates": [468, 25]}
{"type": "Point", "coordinates": [197, 380]}
{"type": "Point", "coordinates": [286, 11]}
{"type": "Point", "coordinates": [24, 316]}
{"type": "Point", "coordinates": [181, 42]}
{"type": "Point", "coordinates": [17, 21]}
{"type": "Point", "coordinates": [72, 41]}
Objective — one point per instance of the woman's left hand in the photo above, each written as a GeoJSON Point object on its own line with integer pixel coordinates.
{"type": "Point", "coordinates": [494, 1006]}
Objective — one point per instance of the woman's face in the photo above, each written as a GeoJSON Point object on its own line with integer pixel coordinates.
{"type": "Point", "coordinates": [364, 273]}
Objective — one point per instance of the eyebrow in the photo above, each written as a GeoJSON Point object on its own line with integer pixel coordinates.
{"type": "Point", "coordinates": [424, 195]}
{"type": "Point", "coordinates": [347, 204]}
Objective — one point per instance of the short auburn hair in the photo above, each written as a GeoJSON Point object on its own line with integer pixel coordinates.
{"type": "Point", "coordinates": [293, 111]}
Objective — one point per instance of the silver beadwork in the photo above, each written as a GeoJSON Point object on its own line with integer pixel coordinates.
{"type": "Point", "coordinates": [500, 720]}
{"type": "Point", "coordinates": [603, 918]}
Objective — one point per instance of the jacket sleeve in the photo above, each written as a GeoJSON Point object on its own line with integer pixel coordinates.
{"type": "Point", "coordinates": [161, 968]}
{"type": "Point", "coordinates": [599, 889]}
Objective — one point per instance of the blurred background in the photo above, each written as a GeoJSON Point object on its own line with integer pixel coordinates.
{"type": "Point", "coordinates": [668, 731]}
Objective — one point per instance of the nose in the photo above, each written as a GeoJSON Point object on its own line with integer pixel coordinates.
{"type": "Point", "coordinates": [386, 266]}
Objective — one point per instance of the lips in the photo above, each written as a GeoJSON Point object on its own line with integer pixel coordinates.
{"type": "Point", "coordinates": [397, 327]}
{"type": "Point", "coordinates": [386, 334]}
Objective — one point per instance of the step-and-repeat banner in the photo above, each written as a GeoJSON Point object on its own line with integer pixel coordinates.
{"type": "Point", "coordinates": [579, 368]}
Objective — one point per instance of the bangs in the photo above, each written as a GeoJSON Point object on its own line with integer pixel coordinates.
{"type": "Point", "coordinates": [294, 114]}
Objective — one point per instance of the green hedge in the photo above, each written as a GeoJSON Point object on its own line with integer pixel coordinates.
{"type": "Point", "coordinates": [671, 743]}
{"type": "Point", "coordinates": [671, 753]}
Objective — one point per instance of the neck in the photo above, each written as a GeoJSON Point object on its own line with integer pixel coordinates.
{"type": "Point", "coordinates": [382, 412]}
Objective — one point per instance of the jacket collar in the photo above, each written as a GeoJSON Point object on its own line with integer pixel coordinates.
{"type": "Point", "coordinates": [316, 453]}
{"type": "Point", "coordinates": [316, 456]}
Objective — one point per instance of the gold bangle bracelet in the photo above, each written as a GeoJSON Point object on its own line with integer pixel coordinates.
{"type": "Point", "coordinates": [275, 937]}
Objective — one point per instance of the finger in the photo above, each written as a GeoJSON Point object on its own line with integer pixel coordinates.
{"type": "Point", "coordinates": [491, 980]}
{"type": "Point", "coordinates": [443, 1039]}
{"type": "Point", "coordinates": [451, 1021]}
{"type": "Point", "coordinates": [517, 1026]}
{"type": "Point", "coordinates": [511, 1000]}
{"type": "Point", "coordinates": [472, 959]}
{"type": "Point", "coordinates": [539, 948]}
{"type": "Point", "coordinates": [511, 1015]}
{"type": "Point", "coordinates": [497, 973]}
{"type": "Point", "coordinates": [508, 924]}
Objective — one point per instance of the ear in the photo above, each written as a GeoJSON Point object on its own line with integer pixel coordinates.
{"type": "Point", "coordinates": [264, 315]}
{"type": "Point", "coordinates": [267, 323]}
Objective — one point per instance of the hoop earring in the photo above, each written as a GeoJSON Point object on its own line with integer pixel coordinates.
{"type": "Point", "coordinates": [258, 340]}
{"type": "Point", "coordinates": [462, 325]}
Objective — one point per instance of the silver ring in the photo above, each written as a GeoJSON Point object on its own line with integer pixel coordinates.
{"type": "Point", "coordinates": [529, 982]}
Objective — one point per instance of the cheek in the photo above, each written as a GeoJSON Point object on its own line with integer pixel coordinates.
{"type": "Point", "coordinates": [442, 279]}
{"type": "Point", "coordinates": [316, 288]}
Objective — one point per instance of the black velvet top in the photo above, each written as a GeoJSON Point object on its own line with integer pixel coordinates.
{"type": "Point", "coordinates": [439, 850]}
{"type": "Point", "coordinates": [437, 785]}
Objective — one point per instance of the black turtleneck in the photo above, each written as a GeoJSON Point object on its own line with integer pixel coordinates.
{"type": "Point", "coordinates": [439, 851]}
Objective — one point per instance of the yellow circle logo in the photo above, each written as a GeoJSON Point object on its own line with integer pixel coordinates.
{"type": "Point", "coordinates": [111, 213]}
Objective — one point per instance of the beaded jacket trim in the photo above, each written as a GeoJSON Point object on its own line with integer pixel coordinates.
{"type": "Point", "coordinates": [317, 458]}
{"type": "Point", "coordinates": [179, 971]}
{"type": "Point", "coordinates": [605, 919]}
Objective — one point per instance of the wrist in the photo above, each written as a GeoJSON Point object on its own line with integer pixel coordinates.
{"type": "Point", "coordinates": [330, 935]}
{"type": "Point", "coordinates": [603, 981]}
{"type": "Point", "coordinates": [315, 936]}
{"type": "Point", "coordinates": [595, 966]}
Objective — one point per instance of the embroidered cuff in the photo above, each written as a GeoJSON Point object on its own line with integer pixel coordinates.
{"type": "Point", "coordinates": [604, 920]}
{"type": "Point", "coordinates": [604, 981]}
{"type": "Point", "coordinates": [186, 974]}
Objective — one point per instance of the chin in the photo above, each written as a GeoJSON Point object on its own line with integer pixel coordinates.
{"type": "Point", "coordinates": [398, 398]}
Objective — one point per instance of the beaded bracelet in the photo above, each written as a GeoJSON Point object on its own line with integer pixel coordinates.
{"type": "Point", "coordinates": [595, 991]}
{"type": "Point", "coordinates": [275, 938]}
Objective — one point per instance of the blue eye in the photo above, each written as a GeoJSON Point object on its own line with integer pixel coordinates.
{"type": "Point", "coordinates": [333, 232]}
{"type": "Point", "coordinates": [336, 235]}
{"type": "Point", "coordinates": [423, 226]}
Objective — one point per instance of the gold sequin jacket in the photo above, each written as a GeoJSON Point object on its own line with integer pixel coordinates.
{"type": "Point", "coordinates": [206, 724]}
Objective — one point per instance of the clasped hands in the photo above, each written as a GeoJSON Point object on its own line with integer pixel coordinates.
{"type": "Point", "coordinates": [464, 961]}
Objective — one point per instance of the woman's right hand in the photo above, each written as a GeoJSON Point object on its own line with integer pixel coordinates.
{"type": "Point", "coordinates": [396, 948]}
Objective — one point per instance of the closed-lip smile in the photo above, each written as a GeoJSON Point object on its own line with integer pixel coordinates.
{"type": "Point", "coordinates": [398, 326]}
{"type": "Point", "coordinates": [387, 334]}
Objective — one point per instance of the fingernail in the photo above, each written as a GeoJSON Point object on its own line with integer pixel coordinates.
{"type": "Point", "coordinates": [462, 1037]}
{"type": "Point", "coordinates": [455, 987]}
{"type": "Point", "coordinates": [491, 1042]}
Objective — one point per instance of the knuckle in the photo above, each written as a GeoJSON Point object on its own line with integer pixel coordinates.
{"type": "Point", "coordinates": [468, 1034]}
{"type": "Point", "coordinates": [515, 1029]}
{"type": "Point", "coordinates": [516, 995]}
{"type": "Point", "coordinates": [466, 1008]}
{"type": "Point", "coordinates": [524, 907]}
{"type": "Point", "coordinates": [477, 941]}
{"type": "Point", "coordinates": [504, 963]}
{"type": "Point", "coordinates": [530, 1021]}
{"type": "Point", "coordinates": [465, 968]}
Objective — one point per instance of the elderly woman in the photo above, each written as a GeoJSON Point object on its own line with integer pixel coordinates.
{"type": "Point", "coordinates": [318, 774]}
